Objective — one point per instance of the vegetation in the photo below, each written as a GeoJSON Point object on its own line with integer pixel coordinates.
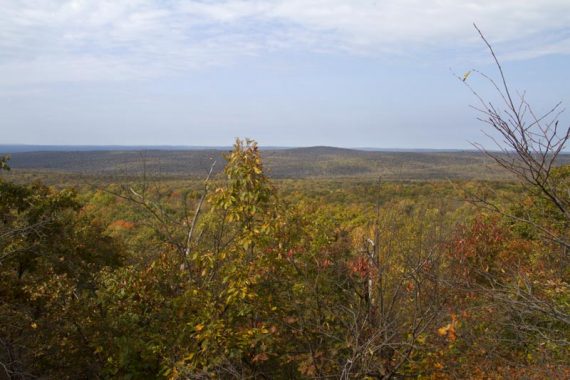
{"type": "Point", "coordinates": [300, 163]}
{"type": "Point", "coordinates": [238, 276]}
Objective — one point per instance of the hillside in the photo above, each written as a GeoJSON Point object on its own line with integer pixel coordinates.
{"type": "Point", "coordinates": [322, 162]}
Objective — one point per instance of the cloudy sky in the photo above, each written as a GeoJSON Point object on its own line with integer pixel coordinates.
{"type": "Point", "coordinates": [353, 73]}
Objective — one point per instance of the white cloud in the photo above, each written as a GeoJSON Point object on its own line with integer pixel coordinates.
{"type": "Point", "coordinates": [81, 40]}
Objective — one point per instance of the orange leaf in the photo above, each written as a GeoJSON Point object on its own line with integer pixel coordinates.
{"type": "Point", "coordinates": [260, 357]}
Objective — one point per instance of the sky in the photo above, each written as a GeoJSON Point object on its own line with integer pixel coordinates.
{"type": "Point", "coordinates": [348, 73]}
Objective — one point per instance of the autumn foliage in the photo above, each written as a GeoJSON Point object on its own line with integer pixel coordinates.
{"type": "Point", "coordinates": [234, 279]}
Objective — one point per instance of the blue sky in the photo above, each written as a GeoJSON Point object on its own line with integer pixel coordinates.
{"type": "Point", "coordinates": [352, 73]}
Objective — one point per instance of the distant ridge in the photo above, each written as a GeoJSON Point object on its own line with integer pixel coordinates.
{"type": "Point", "coordinates": [308, 162]}
{"type": "Point", "coordinates": [322, 149]}
{"type": "Point", "coordinates": [417, 150]}
{"type": "Point", "coordinates": [21, 148]}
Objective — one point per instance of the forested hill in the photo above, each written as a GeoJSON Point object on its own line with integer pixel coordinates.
{"type": "Point", "coordinates": [281, 163]}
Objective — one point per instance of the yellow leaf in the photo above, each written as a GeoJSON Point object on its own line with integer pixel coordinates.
{"type": "Point", "coordinates": [199, 327]}
{"type": "Point", "coordinates": [443, 330]}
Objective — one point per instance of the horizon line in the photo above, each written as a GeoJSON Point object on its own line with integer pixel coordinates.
{"type": "Point", "coordinates": [217, 147]}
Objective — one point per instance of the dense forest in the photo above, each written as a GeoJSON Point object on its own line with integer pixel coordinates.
{"type": "Point", "coordinates": [310, 162]}
{"type": "Point", "coordinates": [237, 276]}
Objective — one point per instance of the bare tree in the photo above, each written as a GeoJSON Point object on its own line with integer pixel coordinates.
{"type": "Point", "coordinates": [529, 146]}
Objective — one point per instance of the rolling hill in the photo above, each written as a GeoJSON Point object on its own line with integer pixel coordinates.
{"type": "Point", "coordinates": [320, 161]}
